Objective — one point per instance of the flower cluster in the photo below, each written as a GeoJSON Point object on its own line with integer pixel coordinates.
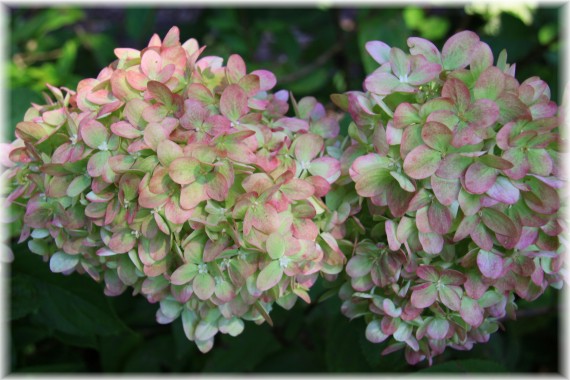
{"type": "Point", "coordinates": [182, 178]}
{"type": "Point", "coordinates": [456, 172]}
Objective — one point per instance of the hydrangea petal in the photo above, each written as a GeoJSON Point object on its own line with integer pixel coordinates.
{"type": "Point", "coordinates": [498, 222]}
{"type": "Point", "coordinates": [326, 167]}
{"type": "Point", "coordinates": [61, 262]}
{"type": "Point", "coordinates": [457, 50]}
{"type": "Point", "coordinates": [490, 264]}
{"type": "Point", "coordinates": [471, 312]}
{"type": "Point", "coordinates": [94, 134]}
{"type": "Point", "coordinates": [449, 297]}
{"type": "Point", "coordinates": [233, 102]}
{"type": "Point", "coordinates": [438, 328]}
{"type": "Point", "coordinates": [424, 295]}
{"type": "Point", "coordinates": [374, 332]}
{"type": "Point", "coordinates": [184, 274]}
{"type": "Point", "coordinates": [269, 276]}
{"type": "Point", "coordinates": [378, 50]}
{"type": "Point", "coordinates": [184, 170]}
{"type": "Point", "coordinates": [203, 285]}
{"type": "Point", "coordinates": [422, 162]}
{"type": "Point", "coordinates": [424, 47]}
{"type": "Point", "coordinates": [479, 178]}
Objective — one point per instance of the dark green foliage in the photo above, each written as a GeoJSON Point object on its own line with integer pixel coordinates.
{"type": "Point", "coordinates": [64, 324]}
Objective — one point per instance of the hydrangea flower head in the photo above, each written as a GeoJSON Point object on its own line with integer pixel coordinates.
{"type": "Point", "coordinates": [182, 179]}
{"type": "Point", "coordinates": [456, 173]}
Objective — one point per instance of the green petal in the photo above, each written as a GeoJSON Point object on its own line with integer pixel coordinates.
{"type": "Point", "coordinates": [233, 326]}
{"type": "Point", "coordinates": [471, 312]}
{"type": "Point", "coordinates": [204, 286]}
{"type": "Point", "coordinates": [206, 330]}
{"type": "Point", "coordinates": [184, 274]}
{"type": "Point", "coordinates": [77, 186]}
{"type": "Point", "coordinates": [62, 262]}
{"type": "Point", "coordinates": [424, 296]}
{"type": "Point", "coordinates": [456, 52]}
{"type": "Point", "coordinates": [275, 245]}
{"type": "Point", "coordinates": [269, 276]}
{"type": "Point", "coordinates": [449, 297]}
{"type": "Point", "coordinates": [498, 222]}
{"type": "Point", "coordinates": [422, 162]}
{"type": "Point", "coordinates": [374, 332]}
{"type": "Point", "coordinates": [404, 181]}
{"type": "Point", "coordinates": [358, 266]}
{"type": "Point", "coordinates": [122, 241]}
{"type": "Point", "coordinates": [233, 102]}
{"type": "Point", "coordinates": [93, 133]}
{"type": "Point", "coordinates": [438, 328]}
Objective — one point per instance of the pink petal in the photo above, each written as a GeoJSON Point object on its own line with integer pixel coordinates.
{"type": "Point", "coordinates": [233, 102]}
{"type": "Point", "coordinates": [424, 295]}
{"type": "Point", "coordinates": [307, 147]}
{"type": "Point", "coordinates": [471, 312]}
{"type": "Point", "coordinates": [378, 50]}
{"type": "Point", "coordinates": [421, 162]}
{"type": "Point", "coordinates": [292, 124]}
{"type": "Point", "coordinates": [490, 84]}
{"type": "Point", "coordinates": [490, 264]}
{"type": "Point", "coordinates": [457, 50]}
{"type": "Point", "coordinates": [423, 71]}
{"type": "Point", "coordinates": [93, 133]}
{"type": "Point", "coordinates": [381, 83]}
{"type": "Point", "coordinates": [424, 47]}
{"type": "Point", "coordinates": [431, 242]}
{"type": "Point", "coordinates": [439, 218]}
{"type": "Point", "coordinates": [504, 191]}
{"type": "Point", "coordinates": [267, 79]}
{"type": "Point", "coordinates": [326, 167]}
{"type": "Point", "coordinates": [151, 63]}
{"type": "Point", "coordinates": [446, 190]}
{"type": "Point", "coordinates": [458, 92]}
{"type": "Point", "coordinates": [479, 178]}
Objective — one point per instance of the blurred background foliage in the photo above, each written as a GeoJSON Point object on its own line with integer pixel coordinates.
{"type": "Point", "coordinates": [65, 324]}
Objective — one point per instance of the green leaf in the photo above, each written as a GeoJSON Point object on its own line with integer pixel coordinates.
{"type": "Point", "coordinates": [20, 99]}
{"type": "Point", "coordinates": [154, 355]}
{"type": "Point", "coordinates": [466, 366]}
{"type": "Point", "coordinates": [310, 83]}
{"type": "Point", "coordinates": [116, 349]}
{"type": "Point", "coordinates": [230, 355]}
{"type": "Point", "coordinates": [387, 26]}
{"type": "Point", "coordinates": [139, 23]}
{"type": "Point", "coordinates": [72, 304]}
{"type": "Point", "coordinates": [47, 21]}
{"type": "Point", "coordinates": [341, 352]}
{"type": "Point", "coordinates": [24, 297]}
{"type": "Point", "coordinates": [66, 62]}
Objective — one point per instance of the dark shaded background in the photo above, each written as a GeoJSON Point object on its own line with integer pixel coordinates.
{"type": "Point", "coordinates": [65, 324]}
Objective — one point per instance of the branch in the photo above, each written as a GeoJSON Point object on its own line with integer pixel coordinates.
{"type": "Point", "coordinates": [529, 313]}
{"type": "Point", "coordinates": [320, 61]}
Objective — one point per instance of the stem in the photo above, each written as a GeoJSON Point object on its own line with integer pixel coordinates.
{"type": "Point", "coordinates": [320, 61]}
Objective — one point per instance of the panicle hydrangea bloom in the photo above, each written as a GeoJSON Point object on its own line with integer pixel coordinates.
{"type": "Point", "coordinates": [453, 213]}
{"type": "Point", "coordinates": [183, 179]}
